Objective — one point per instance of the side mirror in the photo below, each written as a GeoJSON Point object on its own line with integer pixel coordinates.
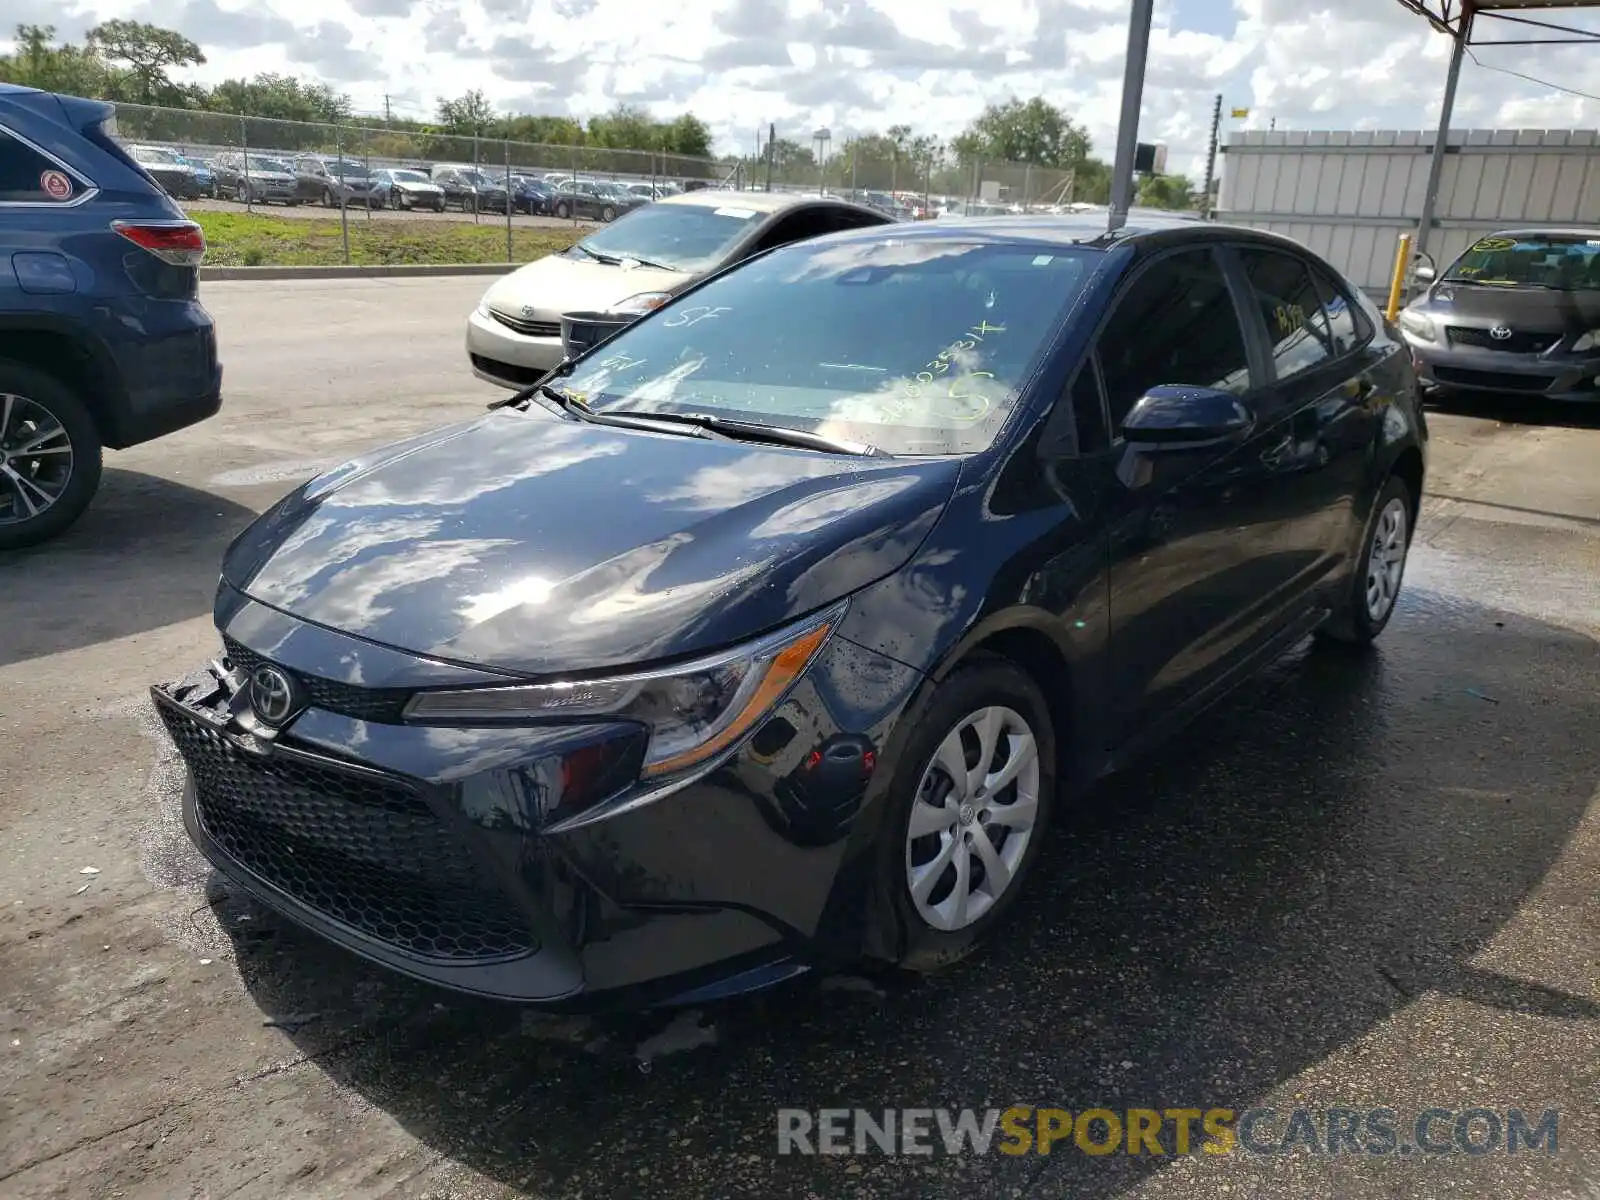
{"type": "Point", "coordinates": [1179, 417]}
{"type": "Point", "coordinates": [1426, 270]}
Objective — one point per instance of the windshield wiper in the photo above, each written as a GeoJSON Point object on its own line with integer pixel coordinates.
{"type": "Point", "coordinates": [756, 431]}
{"type": "Point", "coordinates": [645, 262]}
{"type": "Point", "coordinates": [610, 260]}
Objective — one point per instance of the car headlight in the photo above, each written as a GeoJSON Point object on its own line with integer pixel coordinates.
{"type": "Point", "coordinates": [1419, 325]}
{"type": "Point", "coordinates": [644, 302]}
{"type": "Point", "coordinates": [483, 305]}
{"type": "Point", "coordinates": [693, 711]}
{"type": "Point", "coordinates": [1586, 342]}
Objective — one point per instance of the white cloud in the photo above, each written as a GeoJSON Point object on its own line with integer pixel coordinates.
{"type": "Point", "coordinates": [857, 65]}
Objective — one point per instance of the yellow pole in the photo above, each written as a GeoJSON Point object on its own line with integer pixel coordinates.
{"type": "Point", "coordinates": [1402, 259]}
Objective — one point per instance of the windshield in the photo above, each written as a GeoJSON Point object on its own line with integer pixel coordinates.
{"type": "Point", "coordinates": [347, 170]}
{"type": "Point", "coordinates": [1565, 263]}
{"type": "Point", "coordinates": [478, 179]}
{"type": "Point", "coordinates": [409, 177]}
{"type": "Point", "coordinates": [917, 347]}
{"type": "Point", "coordinates": [269, 164]}
{"type": "Point", "coordinates": [680, 237]}
{"type": "Point", "coordinates": [148, 154]}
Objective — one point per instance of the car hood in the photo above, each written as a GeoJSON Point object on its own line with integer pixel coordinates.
{"type": "Point", "coordinates": [557, 284]}
{"type": "Point", "coordinates": [1525, 309]}
{"type": "Point", "coordinates": [533, 544]}
{"type": "Point", "coordinates": [406, 185]}
{"type": "Point", "coordinates": [269, 176]}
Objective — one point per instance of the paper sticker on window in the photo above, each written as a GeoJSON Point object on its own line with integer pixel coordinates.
{"type": "Point", "coordinates": [1494, 243]}
{"type": "Point", "coordinates": [1043, 260]}
{"type": "Point", "coordinates": [742, 214]}
{"type": "Point", "coordinates": [55, 184]}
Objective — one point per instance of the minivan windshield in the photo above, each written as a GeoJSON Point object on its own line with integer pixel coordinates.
{"type": "Point", "coordinates": [269, 165]}
{"type": "Point", "coordinates": [400, 176]}
{"type": "Point", "coordinates": [680, 237]}
{"type": "Point", "coordinates": [1560, 262]}
{"type": "Point", "coordinates": [913, 346]}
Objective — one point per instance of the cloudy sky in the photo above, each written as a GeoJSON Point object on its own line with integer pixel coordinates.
{"type": "Point", "coordinates": [867, 64]}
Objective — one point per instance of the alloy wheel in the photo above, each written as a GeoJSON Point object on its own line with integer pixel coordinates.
{"type": "Point", "coordinates": [1387, 561]}
{"type": "Point", "coordinates": [35, 459]}
{"type": "Point", "coordinates": [974, 814]}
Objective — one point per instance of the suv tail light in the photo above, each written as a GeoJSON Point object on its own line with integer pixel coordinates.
{"type": "Point", "coordinates": [181, 243]}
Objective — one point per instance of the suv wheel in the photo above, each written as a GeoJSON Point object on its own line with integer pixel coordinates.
{"type": "Point", "coordinates": [327, 197]}
{"type": "Point", "coordinates": [563, 210]}
{"type": "Point", "coordinates": [608, 214]}
{"type": "Point", "coordinates": [49, 456]}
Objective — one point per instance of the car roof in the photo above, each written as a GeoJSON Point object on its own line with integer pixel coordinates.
{"type": "Point", "coordinates": [1072, 229]}
{"type": "Point", "coordinates": [1583, 231]}
{"type": "Point", "coordinates": [761, 202]}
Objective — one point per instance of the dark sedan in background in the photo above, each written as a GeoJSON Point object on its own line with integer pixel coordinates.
{"type": "Point", "coordinates": [1518, 312]}
{"type": "Point", "coordinates": [261, 179]}
{"type": "Point", "coordinates": [594, 200]}
{"type": "Point", "coordinates": [169, 169]}
{"type": "Point", "coordinates": [335, 182]}
{"type": "Point", "coordinates": [769, 634]}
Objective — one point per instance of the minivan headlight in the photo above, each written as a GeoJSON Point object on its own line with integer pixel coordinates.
{"type": "Point", "coordinates": [694, 711]}
{"type": "Point", "coordinates": [1586, 342]}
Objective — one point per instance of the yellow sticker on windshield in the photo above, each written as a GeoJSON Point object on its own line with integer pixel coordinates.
{"type": "Point", "coordinates": [1494, 243]}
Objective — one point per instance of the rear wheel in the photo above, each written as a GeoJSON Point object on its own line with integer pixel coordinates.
{"type": "Point", "coordinates": [563, 209]}
{"type": "Point", "coordinates": [971, 801]}
{"type": "Point", "coordinates": [1375, 584]}
{"type": "Point", "coordinates": [608, 214]}
{"type": "Point", "coordinates": [49, 456]}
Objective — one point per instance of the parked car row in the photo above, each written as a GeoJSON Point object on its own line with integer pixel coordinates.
{"type": "Point", "coordinates": [266, 178]}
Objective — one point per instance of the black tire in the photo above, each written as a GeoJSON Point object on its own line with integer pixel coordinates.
{"type": "Point", "coordinates": [62, 403]}
{"type": "Point", "coordinates": [1353, 623]}
{"type": "Point", "coordinates": [608, 214]}
{"type": "Point", "coordinates": [982, 683]}
{"type": "Point", "coordinates": [327, 198]}
{"type": "Point", "coordinates": [563, 209]}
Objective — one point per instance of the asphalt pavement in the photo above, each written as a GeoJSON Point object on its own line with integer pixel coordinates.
{"type": "Point", "coordinates": [1363, 880]}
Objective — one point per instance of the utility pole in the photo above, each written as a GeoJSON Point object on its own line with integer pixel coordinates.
{"type": "Point", "coordinates": [1139, 21]}
{"type": "Point", "coordinates": [772, 136]}
{"type": "Point", "coordinates": [388, 117]}
{"type": "Point", "coordinates": [1211, 157]}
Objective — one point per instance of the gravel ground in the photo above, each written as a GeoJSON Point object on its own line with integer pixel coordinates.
{"type": "Point", "coordinates": [1364, 881]}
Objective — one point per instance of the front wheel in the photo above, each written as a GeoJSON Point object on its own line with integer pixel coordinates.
{"type": "Point", "coordinates": [49, 456]}
{"type": "Point", "coordinates": [327, 198]}
{"type": "Point", "coordinates": [563, 210]}
{"type": "Point", "coordinates": [1374, 588]}
{"type": "Point", "coordinates": [608, 214]}
{"type": "Point", "coordinates": [970, 803]}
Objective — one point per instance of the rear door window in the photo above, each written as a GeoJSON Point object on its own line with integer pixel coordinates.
{"type": "Point", "coordinates": [1291, 310]}
{"type": "Point", "coordinates": [29, 177]}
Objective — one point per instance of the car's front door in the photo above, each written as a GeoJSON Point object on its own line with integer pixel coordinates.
{"type": "Point", "coordinates": [1196, 533]}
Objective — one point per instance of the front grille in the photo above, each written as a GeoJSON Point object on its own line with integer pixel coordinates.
{"type": "Point", "coordinates": [510, 372]}
{"type": "Point", "coordinates": [383, 705]}
{"type": "Point", "coordinates": [1517, 343]}
{"type": "Point", "coordinates": [361, 849]}
{"type": "Point", "coordinates": [544, 329]}
{"type": "Point", "coordinates": [1500, 381]}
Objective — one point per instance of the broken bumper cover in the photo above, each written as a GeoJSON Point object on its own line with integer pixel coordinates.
{"type": "Point", "coordinates": [468, 857]}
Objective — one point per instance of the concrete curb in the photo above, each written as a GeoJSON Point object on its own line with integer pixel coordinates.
{"type": "Point", "coordinates": [398, 271]}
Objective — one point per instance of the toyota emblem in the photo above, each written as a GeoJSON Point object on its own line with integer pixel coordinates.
{"type": "Point", "coordinates": [272, 695]}
{"type": "Point", "coordinates": [1500, 332]}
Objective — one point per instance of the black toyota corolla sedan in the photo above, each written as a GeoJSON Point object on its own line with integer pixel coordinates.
{"type": "Point", "coordinates": [769, 633]}
{"type": "Point", "coordinates": [1519, 311]}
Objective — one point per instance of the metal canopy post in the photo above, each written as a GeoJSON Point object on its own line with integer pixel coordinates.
{"type": "Point", "coordinates": [1128, 125]}
{"type": "Point", "coordinates": [1430, 198]}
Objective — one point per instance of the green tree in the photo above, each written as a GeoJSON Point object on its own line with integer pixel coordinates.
{"type": "Point", "coordinates": [687, 135]}
{"type": "Point", "coordinates": [38, 62]}
{"type": "Point", "coordinates": [1166, 191]}
{"type": "Point", "coordinates": [280, 97]}
{"type": "Point", "coordinates": [1033, 131]}
{"type": "Point", "coordinates": [149, 53]}
{"type": "Point", "coordinates": [549, 131]}
{"type": "Point", "coordinates": [625, 127]}
{"type": "Point", "coordinates": [470, 115]}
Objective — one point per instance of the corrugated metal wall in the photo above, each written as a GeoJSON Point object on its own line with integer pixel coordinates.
{"type": "Point", "coordinates": [1349, 195]}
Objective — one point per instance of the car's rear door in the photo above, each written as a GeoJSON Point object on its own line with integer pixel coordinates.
{"type": "Point", "coordinates": [1197, 534]}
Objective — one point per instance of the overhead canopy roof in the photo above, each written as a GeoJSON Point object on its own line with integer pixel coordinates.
{"type": "Point", "coordinates": [1507, 22]}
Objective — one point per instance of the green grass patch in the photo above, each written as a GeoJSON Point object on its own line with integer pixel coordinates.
{"type": "Point", "coordinates": [259, 240]}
